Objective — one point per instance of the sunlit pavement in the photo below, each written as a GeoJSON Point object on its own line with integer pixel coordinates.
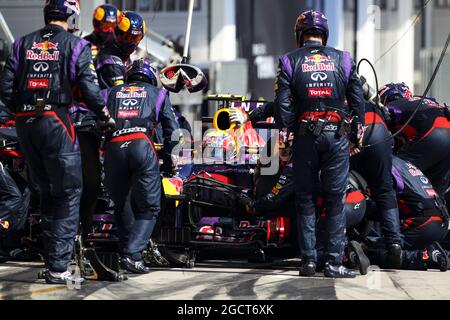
{"type": "Point", "coordinates": [230, 281]}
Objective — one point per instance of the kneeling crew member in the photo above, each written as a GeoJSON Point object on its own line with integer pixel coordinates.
{"type": "Point", "coordinates": [427, 137]}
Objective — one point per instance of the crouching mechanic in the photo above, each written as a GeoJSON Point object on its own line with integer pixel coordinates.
{"type": "Point", "coordinates": [426, 139]}
{"type": "Point", "coordinates": [374, 163]}
{"type": "Point", "coordinates": [279, 200]}
{"type": "Point", "coordinates": [37, 86]}
{"type": "Point", "coordinates": [424, 221]}
{"type": "Point", "coordinates": [312, 85]}
{"type": "Point", "coordinates": [14, 201]}
{"type": "Point", "coordinates": [131, 162]}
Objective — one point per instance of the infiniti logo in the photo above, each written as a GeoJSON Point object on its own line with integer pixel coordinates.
{"type": "Point", "coordinates": [40, 67]}
{"type": "Point", "coordinates": [316, 76]}
{"type": "Point", "coordinates": [130, 102]}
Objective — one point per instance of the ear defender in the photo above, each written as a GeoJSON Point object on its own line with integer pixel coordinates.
{"type": "Point", "coordinates": [125, 24]}
{"type": "Point", "coordinates": [99, 14]}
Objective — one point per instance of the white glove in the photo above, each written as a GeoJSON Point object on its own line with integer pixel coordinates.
{"type": "Point", "coordinates": [238, 117]}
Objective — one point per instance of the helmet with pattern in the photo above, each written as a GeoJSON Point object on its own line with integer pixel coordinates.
{"type": "Point", "coordinates": [130, 32]}
{"type": "Point", "coordinates": [105, 20]}
{"type": "Point", "coordinates": [63, 10]}
{"type": "Point", "coordinates": [142, 70]}
{"type": "Point", "coordinates": [313, 23]}
{"type": "Point", "coordinates": [394, 91]}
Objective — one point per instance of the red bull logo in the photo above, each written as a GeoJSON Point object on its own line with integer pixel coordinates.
{"type": "Point", "coordinates": [131, 94]}
{"type": "Point", "coordinates": [132, 89]}
{"type": "Point", "coordinates": [318, 58]}
{"type": "Point", "coordinates": [42, 56]}
{"type": "Point", "coordinates": [44, 51]}
{"type": "Point", "coordinates": [44, 46]}
{"type": "Point", "coordinates": [317, 63]}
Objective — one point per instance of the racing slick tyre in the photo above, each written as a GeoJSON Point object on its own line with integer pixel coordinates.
{"type": "Point", "coordinates": [259, 256]}
{"type": "Point", "coordinates": [177, 258]}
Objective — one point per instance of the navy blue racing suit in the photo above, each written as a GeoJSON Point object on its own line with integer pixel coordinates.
{"type": "Point", "coordinates": [259, 114]}
{"type": "Point", "coordinates": [96, 44]}
{"type": "Point", "coordinates": [131, 162]}
{"type": "Point", "coordinates": [424, 217]}
{"type": "Point", "coordinates": [88, 140]}
{"type": "Point", "coordinates": [110, 66]}
{"type": "Point", "coordinates": [280, 199]}
{"type": "Point", "coordinates": [313, 84]}
{"type": "Point", "coordinates": [37, 86]}
{"type": "Point", "coordinates": [14, 201]}
{"type": "Point", "coordinates": [428, 138]}
{"type": "Point", "coordinates": [374, 164]}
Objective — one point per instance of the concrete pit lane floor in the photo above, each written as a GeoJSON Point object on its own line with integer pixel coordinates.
{"type": "Point", "coordinates": [230, 280]}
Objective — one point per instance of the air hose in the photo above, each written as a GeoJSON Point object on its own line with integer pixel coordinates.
{"type": "Point", "coordinates": [419, 102]}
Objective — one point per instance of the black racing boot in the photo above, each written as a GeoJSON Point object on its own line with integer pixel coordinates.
{"type": "Point", "coordinates": [338, 272]}
{"type": "Point", "coordinates": [438, 257]}
{"type": "Point", "coordinates": [394, 256]}
{"type": "Point", "coordinates": [133, 266]}
{"type": "Point", "coordinates": [357, 257]}
{"type": "Point", "coordinates": [308, 269]}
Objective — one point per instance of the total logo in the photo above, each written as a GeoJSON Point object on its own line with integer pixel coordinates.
{"type": "Point", "coordinates": [431, 193]}
{"type": "Point", "coordinates": [37, 83]}
{"type": "Point", "coordinates": [321, 92]}
{"type": "Point", "coordinates": [128, 114]}
{"type": "Point", "coordinates": [317, 63]}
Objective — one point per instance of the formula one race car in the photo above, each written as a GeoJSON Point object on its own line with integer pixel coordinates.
{"type": "Point", "coordinates": [205, 216]}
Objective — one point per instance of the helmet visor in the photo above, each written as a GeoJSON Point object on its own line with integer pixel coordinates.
{"type": "Point", "coordinates": [106, 26]}
{"type": "Point", "coordinates": [132, 39]}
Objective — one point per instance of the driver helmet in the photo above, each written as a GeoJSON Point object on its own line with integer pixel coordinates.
{"type": "Point", "coordinates": [219, 146]}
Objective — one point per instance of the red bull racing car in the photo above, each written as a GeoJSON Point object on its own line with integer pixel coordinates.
{"type": "Point", "coordinates": [204, 215]}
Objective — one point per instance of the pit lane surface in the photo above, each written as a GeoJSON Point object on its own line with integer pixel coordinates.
{"type": "Point", "coordinates": [235, 280]}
